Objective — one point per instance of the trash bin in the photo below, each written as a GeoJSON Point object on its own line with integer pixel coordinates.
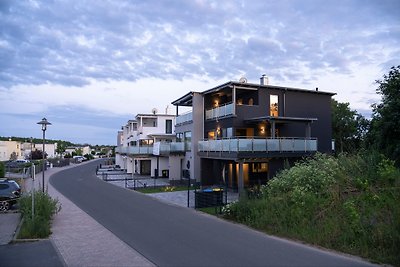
{"type": "Point", "coordinates": [165, 173]}
{"type": "Point", "coordinates": [209, 197]}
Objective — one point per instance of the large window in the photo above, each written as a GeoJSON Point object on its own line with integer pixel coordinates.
{"type": "Point", "coordinates": [146, 142]}
{"type": "Point", "coordinates": [168, 126]}
{"type": "Point", "coordinates": [273, 105]}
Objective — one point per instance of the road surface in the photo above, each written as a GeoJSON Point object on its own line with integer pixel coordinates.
{"type": "Point", "coordinates": [169, 235]}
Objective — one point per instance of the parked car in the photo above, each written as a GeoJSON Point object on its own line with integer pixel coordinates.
{"type": "Point", "coordinates": [79, 159]}
{"type": "Point", "coordinates": [10, 192]}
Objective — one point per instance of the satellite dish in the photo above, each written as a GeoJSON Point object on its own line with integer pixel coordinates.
{"type": "Point", "coordinates": [154, 111]}
{"type": "Point", "coordinates": [243, 80]}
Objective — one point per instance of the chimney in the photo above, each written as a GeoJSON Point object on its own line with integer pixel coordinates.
{"type": "Point", "coordinates": [264, 80]}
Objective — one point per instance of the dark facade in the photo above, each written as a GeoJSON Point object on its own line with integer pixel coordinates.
{"type": "Point", "coordinates": [251, 131]}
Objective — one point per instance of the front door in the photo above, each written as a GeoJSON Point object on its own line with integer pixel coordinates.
{"type": "Point", "coordinates": [145, 167]}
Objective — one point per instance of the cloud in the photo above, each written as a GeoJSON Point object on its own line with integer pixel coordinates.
{"type": "Point", "coordinates": [68, 43]}
{"type": "Point", "coordinates": [115, 57]}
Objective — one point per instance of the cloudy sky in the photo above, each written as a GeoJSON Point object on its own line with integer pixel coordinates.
{"type": "Point", "coordinates": [88, 66]}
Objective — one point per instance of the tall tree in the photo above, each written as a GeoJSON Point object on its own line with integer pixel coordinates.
{"type": "Point", "coordinates": [348, 126]}
{"type": "Point", "coordinates": [385, 127]}
{"type": "Point", "coordinates": [61, 146]}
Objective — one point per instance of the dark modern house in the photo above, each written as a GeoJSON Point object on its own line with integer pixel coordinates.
{"type": "Point", "coordinates": [240, 134]}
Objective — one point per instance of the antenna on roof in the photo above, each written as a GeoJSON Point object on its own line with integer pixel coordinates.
{"type": "Point", "coordinates": [243, 79]}
{"type": "Point", "coordinates": [154, 111]}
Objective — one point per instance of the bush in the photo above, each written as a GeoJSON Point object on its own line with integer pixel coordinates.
{"type": "Point", "coordinates": [45, 208]}
{"type": "Point", "coordinates": [348, 203]}
{"type": "Point", "coordinates": [2, 169]}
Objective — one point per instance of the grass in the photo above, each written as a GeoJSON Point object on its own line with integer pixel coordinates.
{"type": "Point", "coordinates": [40, 225]}
{"type": "Point", "coordinates": [163, 189]}
{"type": "Point", "coordinates": [348, 204]}
{"type": "Point", "coordinates": [216, 211]}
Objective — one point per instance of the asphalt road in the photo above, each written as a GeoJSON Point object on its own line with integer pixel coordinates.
{"type": "Point", "coordinates": [30, 254]}
{"type": "Point", "coordinates": [169, 235]}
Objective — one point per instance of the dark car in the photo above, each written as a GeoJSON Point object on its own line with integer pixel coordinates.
{"type": "Point", "coordinates": [10, 192]}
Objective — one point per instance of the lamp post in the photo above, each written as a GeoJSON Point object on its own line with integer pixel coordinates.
{"type": "Point", "coordinates": [44, 124]}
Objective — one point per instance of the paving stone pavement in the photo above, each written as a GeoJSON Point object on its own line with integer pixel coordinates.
{"type": "Point", "coordinates": [180, 197]}
{"type": "Point", "coordinates": [81, 240]}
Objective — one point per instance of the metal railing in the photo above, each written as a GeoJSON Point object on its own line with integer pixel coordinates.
{"type": "Point", "coordinates": [220, 111]}
{"type": "Point", "coordinates": [294, 144]}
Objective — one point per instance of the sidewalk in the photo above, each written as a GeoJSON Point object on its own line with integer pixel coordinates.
{"type": "Point", "coordinates": [80, 239]}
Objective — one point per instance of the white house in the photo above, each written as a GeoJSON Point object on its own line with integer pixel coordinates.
{"type": "Point", "coordinates": [7, 148]}
{"type": "Point", "coordinates": [140, 143]}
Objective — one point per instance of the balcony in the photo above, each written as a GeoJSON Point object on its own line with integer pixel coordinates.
{"type": "Point", "coordinates": [219, 112]}
{"type": "Point", "coordinates": [165, 149]}
{"type": "Point", "coordinates": [184, 118]}
{"type": "Point", "coordinates": [280, 145]}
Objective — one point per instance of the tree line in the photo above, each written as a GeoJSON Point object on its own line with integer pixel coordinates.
{"type": "Point", "coordinates": [353, 132]}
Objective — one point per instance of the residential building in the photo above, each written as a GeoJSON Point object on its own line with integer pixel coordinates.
{"type": "Point", "coordinates": [50, 149]}
{"type": "Point", "coordinates": [241, 134]}
{"type": "Point", "coordinates": [9, 148]}
{"type": "Point", "coordinates": [84, 150]}
{"type": "Point", "coordinates": [144, 145]}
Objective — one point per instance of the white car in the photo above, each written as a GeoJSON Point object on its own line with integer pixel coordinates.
{"type": "Point", "coordinates": [79, 158]}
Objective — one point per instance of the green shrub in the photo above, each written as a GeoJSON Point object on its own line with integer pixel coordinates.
{"type": "Point", "coordinates": [348, 203]}
{"type": "Point", "coordinates": [45, 208]}
{"type": "Point", "coordinates": [2, 170]}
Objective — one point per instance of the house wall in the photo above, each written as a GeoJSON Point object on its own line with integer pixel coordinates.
{"type": "Point", "coordinates": [291, 104]}
{"type": "Point", "coordinates": [163, 165]}
{"type": "Point", "coordinates": [9, 147]}
{"type": "Point", "coordinates": [313, 106]}
{"type": "Point", "coordinates": [197, 135]}
{"type": "Point", "coordinates": [119, 160]}
{"type": "Point", "coordinates": [175, 168]}
{"type": "Point", "coordinates": [129, 164]}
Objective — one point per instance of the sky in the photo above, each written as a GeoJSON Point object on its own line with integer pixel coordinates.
{"type": "Point", "coordinates": [89, 66]}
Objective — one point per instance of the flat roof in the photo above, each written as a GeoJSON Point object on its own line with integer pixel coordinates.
{"type": "Point", "coordinates": [254, 86]}
{"type": "Point", "coordinates": [187, 99]}
{"type": "Point", "coordinates": [155, 115]}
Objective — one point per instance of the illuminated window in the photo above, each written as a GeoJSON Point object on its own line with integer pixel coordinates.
{"type": "Point", "coordinates": [211, 135]}
{"type": "Point", "coordinates": [273, 105]}
{"type": "Point", "coordinates": [260, 167]}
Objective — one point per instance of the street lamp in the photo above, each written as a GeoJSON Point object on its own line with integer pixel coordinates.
{"type": "Point", "coordinates": [44, 124]}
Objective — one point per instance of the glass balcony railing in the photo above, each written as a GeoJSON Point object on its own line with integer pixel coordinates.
{"type": "Point", "coordinates": [259, 145]}
{"type": "Point", "coordinates": [165, 148]}
{"type": "Point", "coordinates": [183, 118]}
{"type": "Point", "coordinates": [219, 112]}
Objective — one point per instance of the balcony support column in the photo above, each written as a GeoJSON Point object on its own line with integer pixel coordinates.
{"type": "Point", "coordinates": [273, 129]}
{"type": "Point", "coordinates": [240, 179]}
{"type": "Point", "coordinates": [234, 100]}
{"type": "Point", "coordinates": [308, 130]}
